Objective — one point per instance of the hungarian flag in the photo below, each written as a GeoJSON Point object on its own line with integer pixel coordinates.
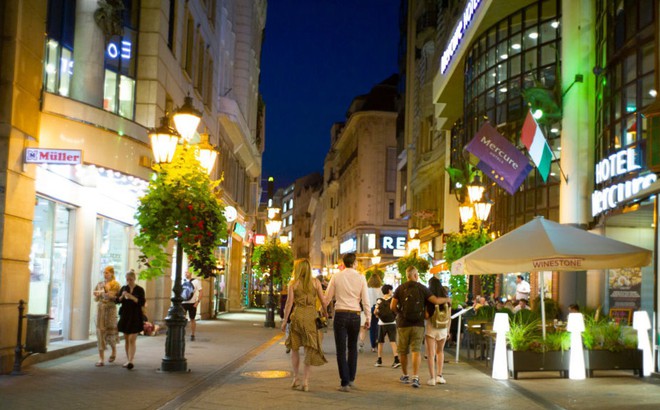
{"type": "Point", "coordinates": [537, 146]}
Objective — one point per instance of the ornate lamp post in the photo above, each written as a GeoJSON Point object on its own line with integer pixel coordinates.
{"type": "Point", "coordinates": [475, 206]}
{"type": "Point", "coordinates": [273, 226]}
{"type": "Point", "coordinates": [164, 140]}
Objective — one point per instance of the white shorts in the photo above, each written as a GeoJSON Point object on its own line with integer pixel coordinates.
{"type": "Point", "coordinates": [437, 334]}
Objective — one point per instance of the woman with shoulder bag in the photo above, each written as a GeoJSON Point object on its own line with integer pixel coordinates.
{"type": "Point", "coordinates": [304, 291]}
{"type": "Point", "coordinates": [436, 336]}
{"type": "Point", "coordinates": [105, 295]}
{"type": "Point", "coordinates": [132, 299]}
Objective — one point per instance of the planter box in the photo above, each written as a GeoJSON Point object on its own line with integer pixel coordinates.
{"type": "Point", "coordinates": [628, 359]}
{"type": "Point", "coordinates": [538, 362]}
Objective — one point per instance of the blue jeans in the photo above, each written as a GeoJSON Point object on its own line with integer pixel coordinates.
{"type": "Point", "coordinates": [373, 330]}
{"type": "Point", "coordinates": [346, 328]}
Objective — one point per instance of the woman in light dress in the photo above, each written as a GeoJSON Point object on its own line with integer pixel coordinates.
{"type": "Point", "coordinates": [105, 294]}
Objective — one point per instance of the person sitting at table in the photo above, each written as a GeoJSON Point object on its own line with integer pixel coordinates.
{"type": "Point", "coordinates": [574, 308]}
{"type": "Point", "coordinates": [481, 302]}
{"type": "Point", "coordinates": [522, 305]}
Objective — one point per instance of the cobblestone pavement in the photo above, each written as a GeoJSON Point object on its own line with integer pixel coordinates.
{"type": "Point", "coordinates": [236, 363]}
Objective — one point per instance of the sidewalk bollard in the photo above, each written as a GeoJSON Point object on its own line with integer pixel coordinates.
{"type": "Point", "coordinates": [18, 350]}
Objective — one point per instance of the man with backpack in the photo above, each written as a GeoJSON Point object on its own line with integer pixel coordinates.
{"type": "Point", "coordinates": [409, 304]}
{"type": "Point", "coordinates": [386, 325]}
{"type": "Point", "coordinates": [191, 293]}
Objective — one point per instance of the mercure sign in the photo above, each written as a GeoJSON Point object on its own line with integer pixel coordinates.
{"type": "Point", "coordinates": [461, 28]}
{"type": "Point", "coordinates": [616, 165]}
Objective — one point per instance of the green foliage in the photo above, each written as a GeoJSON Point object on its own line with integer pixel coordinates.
{"type": "Point", "coordinates": [485, 313]}
{"type": "Point", "coordinates": [458, 245]}
{"type": "Point", "coordinates": [487, 284]}
{"type": "Point", "coordinates": [601, 334]}
{"type": "Point", "coordinates": [557, 341]}
{"type": "Point", "coordinates": [379, 272]}
{"type": "Point", "coordinates": [551, 308]}
{"type": "Point", "coordinates": [181, 203]}
{"type": "Point", "coordinates": [421, 264]}
{"type": "Point", "coordinates": [522, 333]}
{"type": "Point", "coordinates": [273, 257]}
{"type": "Point", "coordinates": [374, 278]}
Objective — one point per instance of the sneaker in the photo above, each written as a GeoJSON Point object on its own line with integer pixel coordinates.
{"type": "Point", "coordinates": [352, 385]}
{"type": "Point", "coordinates": [440, 380]}
{"type": "Point", "coordinates": [396, 363]}
{"type": "Point", "coordinates": [431, 382]}
{"type": "Point", "coordinates": [404, 379]}
{"type": "Point", "coordinates": [192, 338]}
{"type": "Point", "coordinates": [415, 383]}
{"type": "Point", "coordinates": [373, 350]}
{"type": "Point", "coordinates": [379, 362]}
{"type": "Point", "coordinates": [344, 389]}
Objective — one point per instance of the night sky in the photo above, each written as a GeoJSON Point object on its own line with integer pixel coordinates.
{"type": "Point", "coordinates": [317, 56]}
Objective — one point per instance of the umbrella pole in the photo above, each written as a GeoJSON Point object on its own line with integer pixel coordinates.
{"type": "Point", "coordinates": [541, 283]}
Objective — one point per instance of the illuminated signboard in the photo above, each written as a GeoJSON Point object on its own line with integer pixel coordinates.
{"type": "Point", "coordinates": [390, 243]}
{"type": "Point", "coordinates": [349, 245]}
{"type": "Point", "coordinates": [121, 49]}
{"type": "Point", "coordinates": [616, 165]}
{"type": "Point", "coordinates": [240, 230]}
{"type": "Point", "coordinates": [53, 156]}
{"type": "Point", "coordinates": [461, 28]}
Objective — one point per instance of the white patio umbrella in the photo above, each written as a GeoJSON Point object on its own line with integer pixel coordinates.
{"type": "Point", "coordinates": [542, 245]}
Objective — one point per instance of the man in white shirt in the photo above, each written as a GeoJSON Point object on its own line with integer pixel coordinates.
{"type": "Point", "coordinates": [191, 304]}
{"type": "Point", "coordinates": [349, 289]}
{"type": "Point", "coordinates": [522, 288]}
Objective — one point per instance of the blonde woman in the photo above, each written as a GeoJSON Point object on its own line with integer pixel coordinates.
{"type": "Point", "coordinates": [105, 294]}
{"type": "Point", "coordinates": [303, 292]}
{"type": "Point", "coordinates": [131, 297]}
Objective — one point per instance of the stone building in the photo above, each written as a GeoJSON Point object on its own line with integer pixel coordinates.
{"type": "Point", "coordinates": [92, 81]}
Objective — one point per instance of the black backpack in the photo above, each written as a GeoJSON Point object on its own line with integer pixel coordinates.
{"type": "Point", "coordinates": [413, 306]}
{"type": "Point", "coordinates": [384, 312]}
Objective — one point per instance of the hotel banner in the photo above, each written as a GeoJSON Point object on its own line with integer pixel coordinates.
{"type": "Point", "coordinates": [499, 159]}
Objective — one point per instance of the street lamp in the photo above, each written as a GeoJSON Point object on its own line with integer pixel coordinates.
{"type": "Point", "coordinates": [475, 206]}
{"type": "Point", "coordinates": [375, 258]}
{"type": "Point", "coordinates": [164, 140]}
{"type": "Point", "coordinates": [273, 226]}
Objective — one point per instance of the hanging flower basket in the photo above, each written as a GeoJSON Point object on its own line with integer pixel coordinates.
{"type": "Point", "coordinates": [181, 203]}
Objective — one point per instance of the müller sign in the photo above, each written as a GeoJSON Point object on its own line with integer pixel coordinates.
{"type": "Point", "coordinates": [53, 156]}
{"type": "Point", "coordinates": [617, 164]}
{"type": "Point", "coordinates": [461, 27]}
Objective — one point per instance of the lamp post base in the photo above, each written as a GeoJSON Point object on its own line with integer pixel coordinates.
{"type": "Point", "coordinates": [175, 344]}
{"type": "Point", "coordinates": [270, 312]}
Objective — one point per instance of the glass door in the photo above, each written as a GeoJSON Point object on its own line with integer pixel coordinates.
{"type": "Point", "coordinates": [110, 249]}
{"type": "Point", "coordinates": [49, 264]}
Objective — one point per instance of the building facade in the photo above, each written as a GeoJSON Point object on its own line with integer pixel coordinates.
{"type": "Point", "coordinates": [359, 191]}
{"type": "Point", "coordinates": [306, 188]}
{"type": "Point", "coordinates": [99, 79]}
{"type": "Point", "coordinates": [588, 70]}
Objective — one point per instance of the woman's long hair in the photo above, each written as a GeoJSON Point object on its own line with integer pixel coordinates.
{"type": "Point", "coordinates": [436, 288]}
{"type": "Point", "coordinates": [302, 272]}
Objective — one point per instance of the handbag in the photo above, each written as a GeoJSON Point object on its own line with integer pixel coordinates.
{"type": "Point", "coordinates": [320, 322]}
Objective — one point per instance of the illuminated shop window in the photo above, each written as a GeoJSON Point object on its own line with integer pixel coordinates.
{"type": "Point", "coordinates": [58, 53]}
{"type": "Point", "coordinates": [121, 65]}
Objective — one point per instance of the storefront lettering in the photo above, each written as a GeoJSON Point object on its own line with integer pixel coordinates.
{"type": "Point", "coordinates": [557, 263]}
{"type": "Point", "coordinates": [53, 156]}
{"type": "Point", "coordinates": [609, 198]}
{"type": "Point", "coordinates": [124, 50]}
{"type": "Point", "coordinates": [393, 242]}
{"type": "Point", "coordinates": [617, 164]}
{"type": "Point", "coordinates": [461, 27]}
{"type": "Point", "coordinates": [620, 163]}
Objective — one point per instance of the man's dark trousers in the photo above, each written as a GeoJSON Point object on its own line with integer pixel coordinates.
{"type": "Point", "coordinates": [346, 328]}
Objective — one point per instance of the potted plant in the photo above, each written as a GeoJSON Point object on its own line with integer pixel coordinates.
{"type": "Point", "coordinates": [529, 352]}
{"type": "Point", "coordinates": [609, 346]}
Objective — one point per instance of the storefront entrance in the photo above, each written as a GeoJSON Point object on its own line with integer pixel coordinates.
{"type": "Point", "coordinates": [50, 269]}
